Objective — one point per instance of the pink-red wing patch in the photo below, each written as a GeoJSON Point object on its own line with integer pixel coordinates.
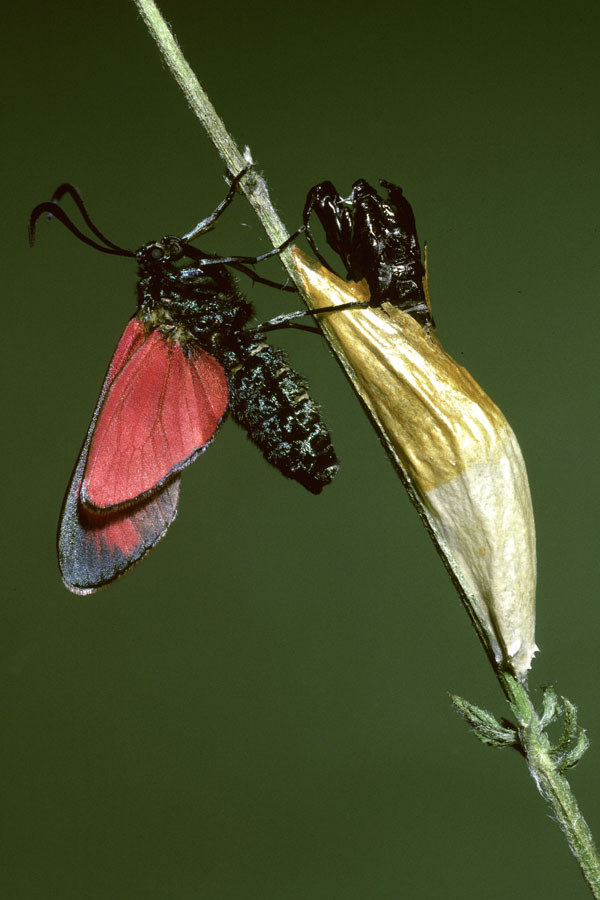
{"type": "Point", "coordinates": [131, 339]}
{"type": "Point", "coordinates": [96, 548]}
{"type": "Point", "coordinates": [161, 408]}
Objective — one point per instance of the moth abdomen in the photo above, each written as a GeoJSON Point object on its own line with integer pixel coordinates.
{"type": "Point", "coordinates": [271, 402]}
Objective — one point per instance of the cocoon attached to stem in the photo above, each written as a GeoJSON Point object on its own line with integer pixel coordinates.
{"type": "Point", "coordinates": [454, 448]}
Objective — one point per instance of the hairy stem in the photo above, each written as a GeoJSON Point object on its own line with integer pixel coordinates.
{"type": "Point", "coordinates": [253, 186]}
{"type": "Point", "coordinates": [552, 785]}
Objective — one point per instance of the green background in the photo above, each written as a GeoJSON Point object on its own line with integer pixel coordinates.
{"type": "Point", "coordinates": [260, 710]}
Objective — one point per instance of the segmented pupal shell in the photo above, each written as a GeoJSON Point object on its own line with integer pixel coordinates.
{"type": "Point", "coordinates": [455, 448]}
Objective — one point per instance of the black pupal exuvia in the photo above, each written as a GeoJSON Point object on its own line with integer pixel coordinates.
{"type": "Point", "coordinates": [376, 239]}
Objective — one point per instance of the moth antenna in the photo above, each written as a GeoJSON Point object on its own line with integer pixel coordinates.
{"type": "Point", "coordinates": [72, 192]}
{"type": "Point", "coordinates": [54, 210]}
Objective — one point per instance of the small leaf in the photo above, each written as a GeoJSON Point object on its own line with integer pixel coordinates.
{"type": "Point", "coordinates": [570, 717]}
{"type": "Point", "coordinates": [573, 742]}
{"type": "Point", "coordinates": [551, 706]}
{"type": "Point", "coordinates": [572, 756]}
{"type": "Point", "coordinates": [487, 728]}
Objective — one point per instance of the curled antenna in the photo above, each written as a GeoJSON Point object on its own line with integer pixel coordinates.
{"type": "Point", "coordinates": [53, 209]}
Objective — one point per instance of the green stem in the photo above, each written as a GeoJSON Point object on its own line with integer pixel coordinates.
{"type": "Point", "coordinates": [534, 742]}
{"type": "Point", "coordinates": [254, 187]}
{"type": "Point", "coordinates": [552, 785]}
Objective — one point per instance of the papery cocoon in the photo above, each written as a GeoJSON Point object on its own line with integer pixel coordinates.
{"type": "Point", "coordinates": [455, 447]}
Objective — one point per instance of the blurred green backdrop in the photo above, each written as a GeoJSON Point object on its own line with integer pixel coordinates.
{"type": "Point", "coordinates": [260, 710]}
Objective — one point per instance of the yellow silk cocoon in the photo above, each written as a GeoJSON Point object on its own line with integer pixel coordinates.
{"type": "Point", "coordinates": [455, 447]}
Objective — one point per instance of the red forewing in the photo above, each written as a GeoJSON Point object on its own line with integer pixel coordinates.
{"type": "Point", "coordinates": [158, 409]}
{"type": "Point", "coordinates": [161, 410]}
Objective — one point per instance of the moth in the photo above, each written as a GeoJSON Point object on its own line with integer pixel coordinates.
{"type": "Point", "coordinates": [188, 356]}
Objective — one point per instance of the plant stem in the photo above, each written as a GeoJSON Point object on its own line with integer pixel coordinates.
{"type": "Point", "coordinates": [534, 742]}
{"type": "Point", "coordinates": [254, 188]}
{"type": "Point", "coordinates": [552, 785]}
